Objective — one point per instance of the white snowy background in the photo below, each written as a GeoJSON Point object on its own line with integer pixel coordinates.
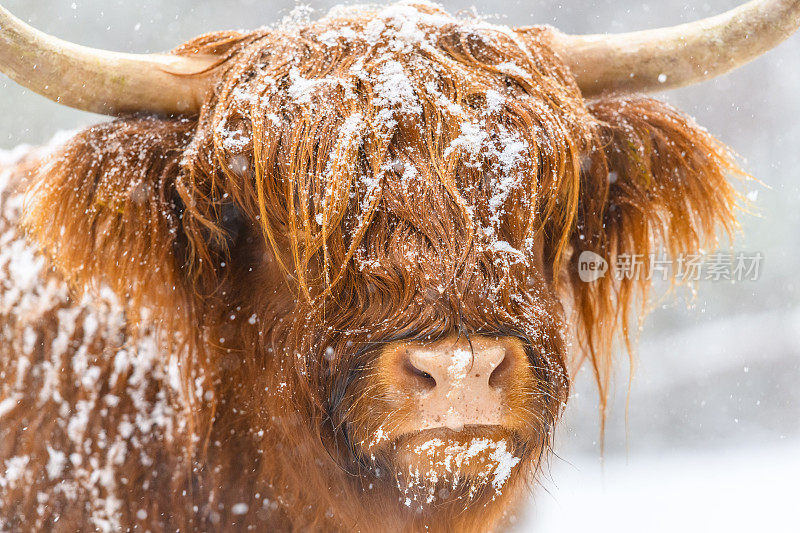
{"type": "Point", "coordinates": [711, 441]}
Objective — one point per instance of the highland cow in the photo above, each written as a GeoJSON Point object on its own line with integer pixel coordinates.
{"type": "Point", "coordinates": [323, 276]}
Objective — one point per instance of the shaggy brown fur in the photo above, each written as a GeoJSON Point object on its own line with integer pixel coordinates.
{"type": "Point", "coordinates": [366, 178]}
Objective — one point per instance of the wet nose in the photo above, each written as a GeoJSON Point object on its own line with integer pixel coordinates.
{"type": "Point", "coordinates": [457, 382]}
{"type": "Point", "coordinates": [457, 367]}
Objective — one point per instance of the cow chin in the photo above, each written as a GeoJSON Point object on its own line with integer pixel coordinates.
{"type": "Point", "coordinates": [439, 465]}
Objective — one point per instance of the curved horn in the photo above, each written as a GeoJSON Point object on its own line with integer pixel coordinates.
{"type": "Point", "coordinates": [103, 82]}
{"type": "Point", "coordinates": [668, 58]}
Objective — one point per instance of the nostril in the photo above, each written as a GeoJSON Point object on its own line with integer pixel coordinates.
{"type": "Point", "coordinates": [423, 379]}
{"type": "Point", "coordinates": [500, 375]}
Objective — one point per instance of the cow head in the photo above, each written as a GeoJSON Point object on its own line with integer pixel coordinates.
{"type": "Point", "coordinates": [368, 237]}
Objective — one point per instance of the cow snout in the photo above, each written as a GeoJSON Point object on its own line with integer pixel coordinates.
{"type": "Point", "coordinates": [459, 382]}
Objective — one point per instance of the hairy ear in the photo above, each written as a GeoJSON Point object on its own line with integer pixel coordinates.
{"type": "Point", "coordinates": [656, 182]}
{"type": "Point", "coordinates": [109, 206]}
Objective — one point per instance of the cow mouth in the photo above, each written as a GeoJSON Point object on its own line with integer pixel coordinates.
{"type": "Point", "coordinates": [439, 464]}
